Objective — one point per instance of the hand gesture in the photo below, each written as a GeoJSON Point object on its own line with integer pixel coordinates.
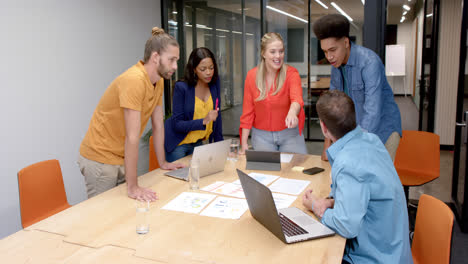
{"type": "Point", "coordinates": [211, 116]}
{"type": "Point", "coordinates": [291, 120]}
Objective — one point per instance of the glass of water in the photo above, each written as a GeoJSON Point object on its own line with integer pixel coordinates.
{"type": "Point", "coordinates": [194, 174]}
{"type": "Point", "coordinates": [234, 149]}
{"type": "Point", "coordinates": [142, 217]}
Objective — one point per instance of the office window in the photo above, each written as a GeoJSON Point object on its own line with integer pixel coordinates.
{"type": "Point", "coordinates": [232, 30]}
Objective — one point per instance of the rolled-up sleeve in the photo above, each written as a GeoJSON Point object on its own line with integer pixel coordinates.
{"type": "Point", "coordinates": [295, 89]}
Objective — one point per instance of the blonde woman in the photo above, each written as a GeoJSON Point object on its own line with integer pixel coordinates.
{"type": "Point", "coordinates": [273, 106]}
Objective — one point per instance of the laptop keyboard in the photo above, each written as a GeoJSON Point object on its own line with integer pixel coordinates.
{"type": "Point", "coordinates": [289, 227]}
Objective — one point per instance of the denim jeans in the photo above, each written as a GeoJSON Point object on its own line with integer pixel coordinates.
{"type": "Point", "coordinates": [287, 140]}
{"type": "Point", "coordinates": [182, 151]}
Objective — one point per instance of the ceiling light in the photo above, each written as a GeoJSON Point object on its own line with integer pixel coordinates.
{"type": "Point", "coordinates": [322, 4]}
{"type": "Point", "coordinates": [174, 12]}
{"type": "Point", "coordinates": [405, 12]}
{"type": "Point", "coordinates": [402, 19]}
{"type": "Point", "coordinates": [341, 11]}
{"type": "Point", "coordinates": [429, 15]}
{"type": "Point", "coordinates": [406, 7]}
{"type": "Point", "coordinates": [287, 14]}
{"type": "Point", "coordinates": [203, 26]}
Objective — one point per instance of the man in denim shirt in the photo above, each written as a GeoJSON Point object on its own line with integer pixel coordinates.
{"type": "Point", "coordinates": [359, 73]}
{"type": "Point", "coordinates": [367, 203]}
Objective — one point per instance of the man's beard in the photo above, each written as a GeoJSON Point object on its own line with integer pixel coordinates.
{"type": "Point", "coordinates": [164, 72]}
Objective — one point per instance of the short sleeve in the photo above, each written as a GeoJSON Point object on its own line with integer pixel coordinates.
{"type": "Point", "coordinates": [131, 92]}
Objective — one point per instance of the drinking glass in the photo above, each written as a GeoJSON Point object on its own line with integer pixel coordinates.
{"type": "Point", "coordinates": [234, 149]}
{"type": "Point", "coordinates": [142, 217]}
{"type": "Point", "coordinates": [194, 174]}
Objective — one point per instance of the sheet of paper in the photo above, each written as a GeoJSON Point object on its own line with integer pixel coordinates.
{"type": "Point", "coordinates": [189, 202]}
{"type": "Point", "coordinates": [283, 200]}
{"type": "Point", "coordinates": [225, 188]}
{"type": "Point", "coordinates": [286, 158]}
{"type": "Point", "coordinates": [224, 207]}
{"type": "Point", "coordinates": [289, 186]}
{"type": "Point", "coordinates": [264, 179]}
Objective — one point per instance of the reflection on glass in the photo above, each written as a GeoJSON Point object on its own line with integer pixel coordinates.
{"type": "Point", "coordinates": [217, 25]}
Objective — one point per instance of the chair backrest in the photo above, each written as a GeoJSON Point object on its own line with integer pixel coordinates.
{"type": "Point", "coordinates": [41, 191]}
{"type": "Point", "coordinates": [417, 159]}
{"type": "Point", "coordinates": [153, 160]}
{"type": "Point", "coordinates": [432, 232]}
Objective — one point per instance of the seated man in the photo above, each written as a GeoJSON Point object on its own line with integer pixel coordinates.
{"type": "Point", "coordinates": [367, 204]}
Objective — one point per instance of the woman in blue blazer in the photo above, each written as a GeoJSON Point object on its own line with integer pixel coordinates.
{"type": "Point", "coordinates": [195, 107]}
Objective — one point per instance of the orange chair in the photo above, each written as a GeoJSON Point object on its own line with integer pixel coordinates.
{"type": "Point", "coordinates": [433, 232]}
{"type": "Point", "coordinates": [153, 160]}
{"type": "Point", "coordinates": [417, 159]}
{"type": "Point", "coordinates": [41, 191]}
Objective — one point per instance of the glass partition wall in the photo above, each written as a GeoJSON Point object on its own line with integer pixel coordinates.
{"type": "Point", "coordinates": [232, 30]}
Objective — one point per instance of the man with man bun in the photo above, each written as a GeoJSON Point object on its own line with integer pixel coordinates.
{"type": "Point", "coordinates": [109, 150]}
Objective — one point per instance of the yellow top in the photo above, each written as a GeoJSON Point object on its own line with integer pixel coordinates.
{"type": "Point", "coordinates": [201, 110]}
{"type": "Point", "coordinates": [105, 140]}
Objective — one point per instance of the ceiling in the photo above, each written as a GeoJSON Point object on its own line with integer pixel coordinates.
{"type": "Point", "coordinates": [298, 8]}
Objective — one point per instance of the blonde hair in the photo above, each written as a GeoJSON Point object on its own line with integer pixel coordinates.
{"type": "Point", "coordinates": [158, 42]}
{"type": "Point", "coordinates": [261, 68]}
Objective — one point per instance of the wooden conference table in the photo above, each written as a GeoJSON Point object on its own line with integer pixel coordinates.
{"type": "Point", "coordinates": [317, 87]}
{"type": "Point", "coordinates": [102, 229]}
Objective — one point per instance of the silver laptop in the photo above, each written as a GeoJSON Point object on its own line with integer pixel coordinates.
{"type": "Point", "coordinates": [212, 159]}
{"type": "Point", "coordinates": [263, 160]}
{"type": "Point", "coordinates": [288, 224]}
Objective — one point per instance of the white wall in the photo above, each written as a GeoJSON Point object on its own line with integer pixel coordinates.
{"type": "Point", "coordinates": [57, 58]}
{"type": "Point", "coordinates": [404, 85]}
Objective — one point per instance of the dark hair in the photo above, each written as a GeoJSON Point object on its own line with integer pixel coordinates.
{"type": "Point", "coordinates": [195, 58]}
{"type": "Point", "coordinates": [331, 26]}
{"type": "Point", "coordinates": [336, 110]}
{"type": "Point", "coordinates": [158, 42]}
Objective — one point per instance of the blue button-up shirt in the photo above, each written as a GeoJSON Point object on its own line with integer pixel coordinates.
{"type": "Point", "coordinates": [376, 110]}
{"type": "Point", "coordinates": [370, 205]}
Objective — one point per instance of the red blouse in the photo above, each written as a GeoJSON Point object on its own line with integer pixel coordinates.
{"type": "Point", "coordinates": [270, 113]}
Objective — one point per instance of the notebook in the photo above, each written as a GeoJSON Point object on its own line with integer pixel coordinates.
{"type": "Point", "coordinates": [289, 224]}
{"type": "Point", "coordinates": [263, 160]}
{"type": "Point", "coordinates": [212, 159]}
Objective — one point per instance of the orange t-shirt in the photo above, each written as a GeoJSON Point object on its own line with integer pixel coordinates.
{"type": "Point", "coordinates": [105, 140]}
{"type": "Point", "coordinates": [270, 113]}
